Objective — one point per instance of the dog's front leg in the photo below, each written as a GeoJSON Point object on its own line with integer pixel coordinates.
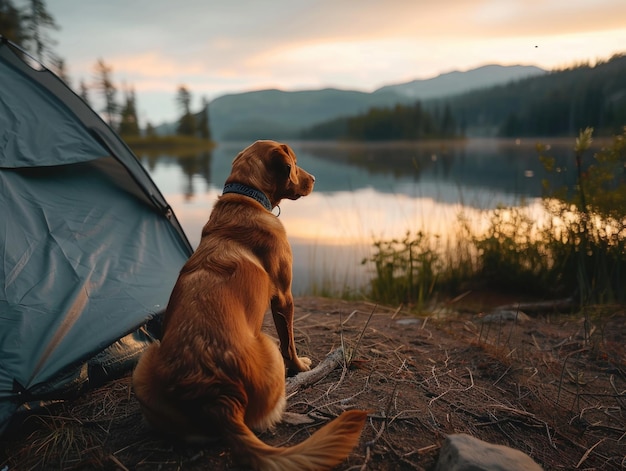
{"type": "Point", "coordinates": [282, 311]}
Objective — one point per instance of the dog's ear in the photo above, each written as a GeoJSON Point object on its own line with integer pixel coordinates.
{"type": "Point", "coordinates": [284, 163]}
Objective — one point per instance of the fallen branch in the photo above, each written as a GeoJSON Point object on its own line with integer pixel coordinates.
{"type": "Point", "coordinates": [540, 306]}
{"type": "Point", "coordinates": [307, 378]}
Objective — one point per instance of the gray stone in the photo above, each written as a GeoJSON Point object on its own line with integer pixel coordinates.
{"type": "Point", "coordinates": [461, 452]}
{"type": "Point", "coordinates": [503, 315]}
{"type": "Point", "coordinates": [408, 321]}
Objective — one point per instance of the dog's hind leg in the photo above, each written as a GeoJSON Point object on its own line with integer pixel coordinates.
{"type": "Point", "coordinates": [266, 387]}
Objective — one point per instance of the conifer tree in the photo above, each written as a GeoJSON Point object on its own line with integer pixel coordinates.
{"type": "Point", "coordinates": [35, 23]}
{"type": "Point", "coordinates": [11, 23]}
{"type": "Point", "coordinates": [84, 92]}
{"type": "Point", "coordinates": [58, 67]}
{"type": "Point", "coordinates": [150, 131]}
{"type": "Point", "coordinates": [187, 123]}
{"type": "Point", "coordinates": [129, 123]}
{"type": "Point", "coordinates": [204, 130]}
{"type": "Point", "coordinates": [104, 85]}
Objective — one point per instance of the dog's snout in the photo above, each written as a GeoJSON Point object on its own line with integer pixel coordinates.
{"type": "Point", "coordinates": [313, 178]}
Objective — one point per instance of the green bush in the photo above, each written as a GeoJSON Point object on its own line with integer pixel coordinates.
{"type": "Point", "coordinates": [511, 256]}
{"type": "Point", "coordinates": [579, 250]}
{"type": "Point", "coordinates": [588, 240]}
{"type": "Point", "coordinates": [412, 269]}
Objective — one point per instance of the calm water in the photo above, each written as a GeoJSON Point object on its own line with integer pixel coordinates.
{"type": "Point", "coordinates": [367, 192]}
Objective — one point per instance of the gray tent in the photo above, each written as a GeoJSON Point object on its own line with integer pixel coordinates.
{"type": "Point", "coordinates": [90, 248]}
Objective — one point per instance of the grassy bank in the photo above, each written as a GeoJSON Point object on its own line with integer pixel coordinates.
{"type": "Point", "coordinates": [148, 144]}
{"type": "Point", "coordinates": [579, 250]}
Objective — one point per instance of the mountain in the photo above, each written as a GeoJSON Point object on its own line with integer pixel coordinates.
{"type": "Point", "coordinates": [281, 114]}
{"type": "Point", "coordinates": [454, 83]}
{"type": "Point", "coordinates": [560, 103]}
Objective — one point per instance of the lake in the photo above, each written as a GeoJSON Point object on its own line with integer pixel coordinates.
{"type": "Point", "coordinates": [365, 192]}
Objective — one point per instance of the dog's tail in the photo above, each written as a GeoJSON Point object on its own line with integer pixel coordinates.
{"type": "Point", "coordinates": [323, 450]}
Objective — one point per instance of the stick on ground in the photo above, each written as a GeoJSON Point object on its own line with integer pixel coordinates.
{"type": "Point", "coordinates": [307, 378]}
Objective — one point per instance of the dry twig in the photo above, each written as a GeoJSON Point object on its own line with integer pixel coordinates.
{"type": "Point", "coordinates": [307, 378]}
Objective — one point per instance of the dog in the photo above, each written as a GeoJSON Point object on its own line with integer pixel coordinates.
{"type": "Point", "coordinates": [214, 373]}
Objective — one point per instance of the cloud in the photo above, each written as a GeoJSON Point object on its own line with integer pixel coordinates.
{"type": "Point", "coordinates": [217, 47]}
{"type": "Point", "coordinates": [540, 18]}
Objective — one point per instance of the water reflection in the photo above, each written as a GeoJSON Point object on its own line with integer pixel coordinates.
{"type": "Point", "coordinates": [492, 164]}
{"type": "Point", "coordinates": [193, 167]}
{"type": "Point", "coordinates": [364, 192]}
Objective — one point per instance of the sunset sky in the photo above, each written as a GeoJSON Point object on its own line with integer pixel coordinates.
{"type": "Point", "coordinates": [218, 47]}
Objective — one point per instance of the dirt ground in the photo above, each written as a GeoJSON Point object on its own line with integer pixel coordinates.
{"type": "Point", "coordinates": [553, 387]}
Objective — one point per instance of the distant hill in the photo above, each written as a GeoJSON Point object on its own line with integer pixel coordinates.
{"type": "Point", "coordinates": [281, 115]}
{"type": "Point", "coordinates": [284, 114]}
{"type": "Point", "coordinates": [559, 103]}
{"type": "Point", "coordinates": [454, 83]}
{"type": "Point", "coordinates": [556, 104]}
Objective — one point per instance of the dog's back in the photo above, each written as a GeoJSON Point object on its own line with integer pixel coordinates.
{"type": "Point", "coordinates": [214, 373]}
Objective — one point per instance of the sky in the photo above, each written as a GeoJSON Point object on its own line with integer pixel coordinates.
{"type": "Point", "coordinates": [217, 47]}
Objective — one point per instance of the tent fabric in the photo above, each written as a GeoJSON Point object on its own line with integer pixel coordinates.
{"type": "Point", "coordinates": [32, 119]}
{"type": "Point", "coordinates": [90, 248]}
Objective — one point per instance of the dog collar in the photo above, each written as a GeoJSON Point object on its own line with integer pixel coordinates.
{"type": "Point", "coordinates": [246, 190]}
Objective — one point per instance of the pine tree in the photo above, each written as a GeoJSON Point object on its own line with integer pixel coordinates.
{"type": "Point", "coordinates": [11, 23]}
{"type": "Point", "coordinates": [84, 92]}
{"type": "Point", "coordinates": [187, 123]}
{"type": "Point", "coordinates": [150, 131]}
{"type": "Point", "coordinates": [204, 130]}
{"type": "Point", "coordinates": [448, 126]}
{"type": "Point", "coordinates": [129, 124]}
{"type": "Point", "coordinates": [183, 99]}
{"type": "Point", "coordinates": [35, 22]}
{"type": "Point", "coordinates": [104, 85]}
{"type": "Point", "coordinates": [59, 68]}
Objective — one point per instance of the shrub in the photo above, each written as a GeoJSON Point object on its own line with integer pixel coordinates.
{"type": "Point", "coordinates": [579, 249]}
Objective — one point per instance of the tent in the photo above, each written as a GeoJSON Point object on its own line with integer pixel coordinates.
{"type": "Point", "coordinates": [90, 248]}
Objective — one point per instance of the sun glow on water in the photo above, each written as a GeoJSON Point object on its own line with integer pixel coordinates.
{"type": "Point", "coordinates": [334, 228]}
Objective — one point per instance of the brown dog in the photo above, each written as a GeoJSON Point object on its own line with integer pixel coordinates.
{"type": "Point", "coordinates": [214, 373]}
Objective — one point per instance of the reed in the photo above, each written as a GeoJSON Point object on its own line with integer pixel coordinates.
{"type": "Point", "coordinates": [412, 270]}
{"type": "Point", "coordinates": [579, 249]}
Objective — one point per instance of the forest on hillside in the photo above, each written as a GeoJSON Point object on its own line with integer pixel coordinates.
{"type": "Point", "coordinates": [556, 104]}
{"type": "Point", "coordinates": [401, 122]}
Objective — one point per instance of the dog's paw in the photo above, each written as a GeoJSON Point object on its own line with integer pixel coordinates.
{"type": "Point", "coordinates": [298, 365]}
{"type": "Point", "coordinates": [305, 362]}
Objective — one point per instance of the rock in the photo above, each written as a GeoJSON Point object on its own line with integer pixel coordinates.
{"type": "Point", "coordinates": [502, 315]}
{"type": "Point", "coordinates": [462, 452]}
{"type": "Point", "coordinates": [408, 321]}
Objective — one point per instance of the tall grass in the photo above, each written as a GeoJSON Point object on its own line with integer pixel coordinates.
{"type": "Point", "coordinates": [590, 250]}
{"type": "Point", "coordinates": [177, 144]}
{"type": "Point", "coordinates": [415, 268]}
{"type": "Point", "coordinates": [579, 250]}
